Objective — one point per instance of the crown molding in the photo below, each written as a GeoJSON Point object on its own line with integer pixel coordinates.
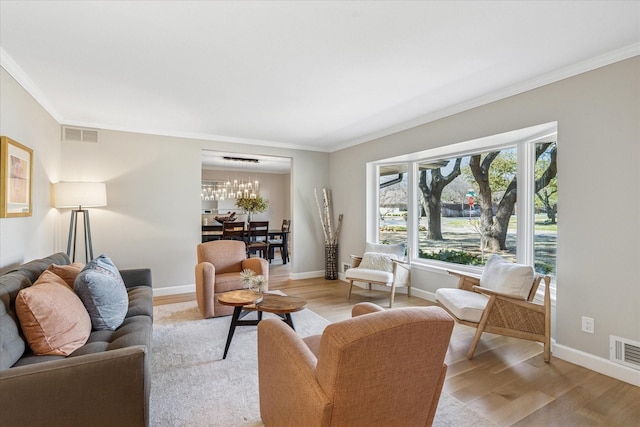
{"type": "Point", "coordinates": [7, 62]}
{"type": "Point", "coordinates": [552, 77]}
{"type": "Point", "coordinates": [591, 64]}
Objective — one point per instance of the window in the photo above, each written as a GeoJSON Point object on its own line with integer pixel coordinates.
{"type": "Point", "coordinates": [462, 203]}
{"type": "Point", "coordinates": [392, 204]}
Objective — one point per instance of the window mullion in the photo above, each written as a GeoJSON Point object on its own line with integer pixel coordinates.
{"type": "Point", "coordinates": [412, 210]}
{"type": "Point", "coordinates": [525, 204]}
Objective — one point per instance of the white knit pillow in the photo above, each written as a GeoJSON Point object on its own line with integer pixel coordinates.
{"type": "Point", "coordinates": [377, 261]}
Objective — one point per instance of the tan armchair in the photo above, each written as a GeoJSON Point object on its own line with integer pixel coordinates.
{"type": "Point", "coordinates": [218, 270]}
{"type": "Point", "coordinates": [501, 302]}
{"type": "Point", "coordinates": [383, 368]}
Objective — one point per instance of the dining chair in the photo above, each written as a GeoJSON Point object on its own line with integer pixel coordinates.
{"type": "Point", "coordinates": [233, 230]}
{"type": "Point", "coordinates": [281, 242]}
{"type": "Point", "coordinates": [258, 238]}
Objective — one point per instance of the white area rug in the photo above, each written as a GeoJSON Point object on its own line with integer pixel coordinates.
{"type": "Point", "coordinates": [193, 386]}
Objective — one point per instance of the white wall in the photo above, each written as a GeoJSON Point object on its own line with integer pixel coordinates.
{"type": "Point", "coordinates": [25, 121]}
{"type": "Point", "coordinates": [598, 115]}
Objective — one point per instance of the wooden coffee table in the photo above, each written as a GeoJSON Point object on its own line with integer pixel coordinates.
{"type": "Point", "coordinates": [245, 302]}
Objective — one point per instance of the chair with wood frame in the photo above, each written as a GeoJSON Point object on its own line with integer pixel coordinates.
{"type": "Point", "coordinates": [258, 238]}
{"type": "Point", "coordinates": [381, 265]}
{"type": "Point", "coordinates": [280, 243]}
{"type": "Point", "coordinates": [501, 302]}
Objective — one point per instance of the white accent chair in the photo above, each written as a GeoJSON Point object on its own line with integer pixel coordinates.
{"type": "Point", "coordinates": [381, 265]}
{"type": "Point", "coordinates": [501, 302]}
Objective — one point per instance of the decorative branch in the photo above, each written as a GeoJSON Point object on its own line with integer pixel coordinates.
{"type": "Point", "coordinates": [326, 217]}
{"type": "Point", "coordinates": [324, 228]}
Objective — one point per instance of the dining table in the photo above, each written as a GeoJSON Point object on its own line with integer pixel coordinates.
{"type": "Point", "coordinates": [214, 232]}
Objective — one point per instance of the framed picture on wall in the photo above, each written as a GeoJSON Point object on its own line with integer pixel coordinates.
{"type": "Point", "coordinates": [16, 174]}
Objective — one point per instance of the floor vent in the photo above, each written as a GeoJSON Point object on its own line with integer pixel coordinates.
{"type": "Point", "coordinates": [625, 352]}
{"type": "Point", "coordinates": [73, 134]}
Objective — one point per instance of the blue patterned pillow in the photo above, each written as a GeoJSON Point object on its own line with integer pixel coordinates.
{"type": "Point", "coordinates": [103, 292]}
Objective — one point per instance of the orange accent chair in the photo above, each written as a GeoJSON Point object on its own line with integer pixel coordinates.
{"type": "Point", "coordinates": [379, 368]}
{"type": "Point", "coordinates": [218, 270]}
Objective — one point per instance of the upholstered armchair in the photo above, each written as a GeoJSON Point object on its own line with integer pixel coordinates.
{"type": "Point", "coordinates": [218, 270]}
{"type": "Point", "coordinates": [379, 368]}
{"type": "Point", "coordinates": [501, 302]}
{"type": "Point", "coordinates": [381, 265]}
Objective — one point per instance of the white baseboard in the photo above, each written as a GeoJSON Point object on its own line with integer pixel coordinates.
{"type": "Point", "coordinates": [307, 275]}
{"type": "Point", "coordinates": [174, 290]}
{"type": "Point", "coordinates": [597, 364]}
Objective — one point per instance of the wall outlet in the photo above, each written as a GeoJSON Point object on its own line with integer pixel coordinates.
{"type": "Point", "coordinates": [588, 324]}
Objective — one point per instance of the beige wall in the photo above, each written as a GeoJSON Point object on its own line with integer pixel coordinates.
{"type": "Point", "coordinates": [598, 170]}
{"type": "Point", "coordinates": [25, 121]}
{"type": "Point", "coordinates": [154, 212]}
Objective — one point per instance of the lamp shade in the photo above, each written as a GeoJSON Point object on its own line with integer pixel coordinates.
{"type": "Point", "coordinates": [75, 194]}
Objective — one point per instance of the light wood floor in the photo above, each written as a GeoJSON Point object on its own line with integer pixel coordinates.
{"type": "Point", "coordinates": [507, 381]}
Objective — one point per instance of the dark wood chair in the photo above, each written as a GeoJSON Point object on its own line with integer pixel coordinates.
{"type": "Point", "coordinates": [281, 242]}
{"type": "Point", "coordinates": [258, 238]}
{"type": "Point", "coordinates": [233, 230]}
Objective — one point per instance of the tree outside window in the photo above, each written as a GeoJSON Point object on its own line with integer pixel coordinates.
{"type": "Point", "coordinates": [467, 206]}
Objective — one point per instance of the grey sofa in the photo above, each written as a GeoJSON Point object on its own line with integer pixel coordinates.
{"type": "Point", "coordinates": [106, 382]}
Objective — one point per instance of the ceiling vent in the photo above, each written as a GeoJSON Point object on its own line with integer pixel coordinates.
{"type": "Point", "coordinates": [625, 352]}
{"type": "Point", "coordinates": [73, 134]}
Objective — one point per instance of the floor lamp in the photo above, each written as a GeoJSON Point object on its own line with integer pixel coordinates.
{"type": "Point", "coordinates": [78, 196]}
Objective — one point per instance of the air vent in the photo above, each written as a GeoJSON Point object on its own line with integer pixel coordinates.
{"type": "Point", "coordinates": [73, 134]}
{"type": "Point", "coordinates": [625, 352]}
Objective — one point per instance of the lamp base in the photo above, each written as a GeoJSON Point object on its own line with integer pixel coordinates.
{"type": "Point", "coordinates": [73, 235]}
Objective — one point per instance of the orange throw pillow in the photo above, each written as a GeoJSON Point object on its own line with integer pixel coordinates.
{"type": "Point", "coordinates": [52, 317]}
{"type": "Point", "coordinates": [68, 273]}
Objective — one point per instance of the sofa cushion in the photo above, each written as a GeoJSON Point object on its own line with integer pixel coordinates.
{"type": "Point", "coordinates": [506, 277]}
{"type": "Point", "coordinates": [11, 344]}
{"type": "Point", "coordinates": [101, 288]}
{"type": "Point", "coordinates": [53, 319]}
{"type": "Point", "coordinates": [68, 273]}
{"type": "Point", "coordinates": [140, 301]}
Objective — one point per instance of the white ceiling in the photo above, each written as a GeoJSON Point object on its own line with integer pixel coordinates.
{"type": "Point", "coordinates": [316, 75]}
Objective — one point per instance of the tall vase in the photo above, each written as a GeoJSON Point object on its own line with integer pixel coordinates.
{"type": "Point", "coordinates": [331, 261]}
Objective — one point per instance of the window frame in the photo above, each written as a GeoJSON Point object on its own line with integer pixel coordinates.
{"type": "Point", "coordinates": [524, 140]}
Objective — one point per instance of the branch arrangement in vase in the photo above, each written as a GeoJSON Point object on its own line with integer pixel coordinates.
{"type": "Point", "coordinates": [326, 217]}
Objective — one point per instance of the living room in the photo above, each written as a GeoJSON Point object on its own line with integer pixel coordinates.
{"type": "Point", "coordinates": [153, 182]}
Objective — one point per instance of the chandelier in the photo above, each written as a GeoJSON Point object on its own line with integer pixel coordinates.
{"type": "Point", "coordinates": [231, 188]}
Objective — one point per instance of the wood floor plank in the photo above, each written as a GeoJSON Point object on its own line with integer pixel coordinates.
{"type": "Point", "coordinates": [507, 381]}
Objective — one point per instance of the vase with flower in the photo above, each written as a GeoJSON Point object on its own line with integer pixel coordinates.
{"type": "Point", "coordinates": [255, 283]}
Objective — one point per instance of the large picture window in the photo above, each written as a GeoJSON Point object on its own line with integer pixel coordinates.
{"type": "Point", "coordinates": [487, 196]}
